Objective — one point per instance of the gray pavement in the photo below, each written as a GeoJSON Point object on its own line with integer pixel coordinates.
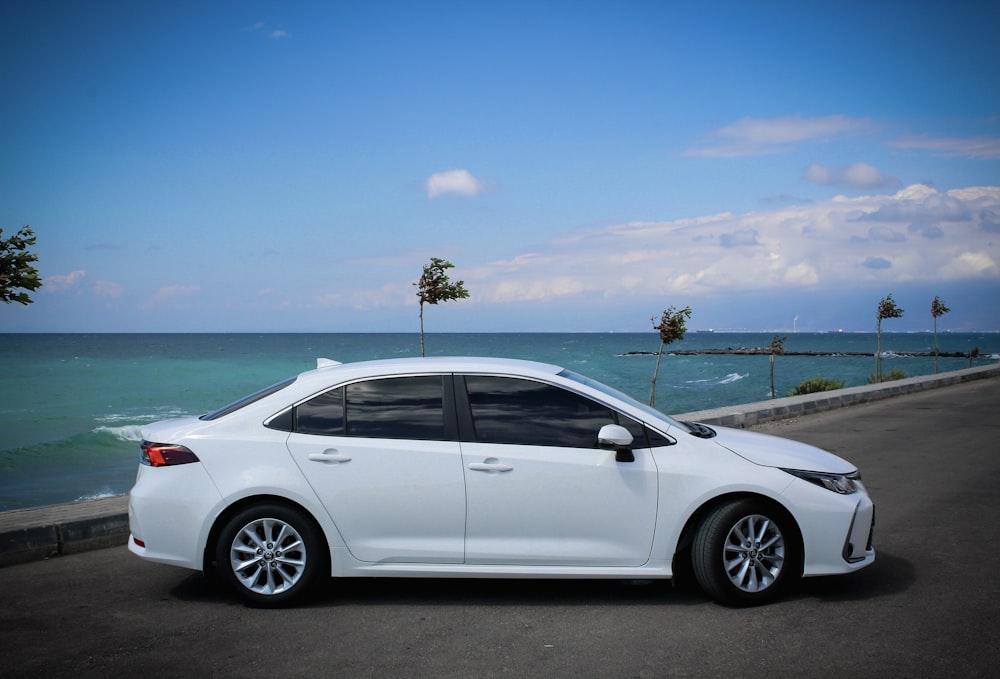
{"type": "Point", "coordinates": [56, 530]}
{"type": "Point", "coordinates": [928, 607]}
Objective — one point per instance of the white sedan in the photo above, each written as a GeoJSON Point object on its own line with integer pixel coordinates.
{"type": "Point", "coordinates": [489, 468]}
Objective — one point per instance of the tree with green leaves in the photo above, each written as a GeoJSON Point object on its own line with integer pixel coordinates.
{"type": "Point", "coordinates": [16, 267]}
{"type": "Point", "coordinates": [776, 347]}
{"type": "Point", "coordinates": [938, 309]}
{"type": "Point", "coordinates": [886, 309]}
{"type": "Point", "coordinates": [434, 286]}
{"type": "Point", "coordinates": [973, 353]}
{"type": "Point", "coordinates": [672, 328]}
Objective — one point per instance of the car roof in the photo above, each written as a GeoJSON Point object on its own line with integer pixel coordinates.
{"type": "Point", "coordinates": [330, 371]}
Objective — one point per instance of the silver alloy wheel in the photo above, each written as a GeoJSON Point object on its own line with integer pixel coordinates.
{"type": "Point", "coordinates": [268, 556]}
{"type": "Point", "coordinates": [754, 553]}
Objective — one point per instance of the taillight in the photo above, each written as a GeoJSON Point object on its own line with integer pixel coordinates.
{"type": "Point", "coordinates": [165, 454]}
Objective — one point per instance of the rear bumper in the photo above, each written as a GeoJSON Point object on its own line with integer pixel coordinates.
{"type": "Point", "coordinates": [166, 512]}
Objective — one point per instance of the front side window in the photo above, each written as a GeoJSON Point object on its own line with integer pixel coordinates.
{"type": "Point", "coordinates": [395, 408]}
{"type": "Point", "coordinates": [523, 412]}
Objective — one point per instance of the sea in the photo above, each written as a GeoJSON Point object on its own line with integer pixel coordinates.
{"type": "Point", "coordinates": [72, 406]}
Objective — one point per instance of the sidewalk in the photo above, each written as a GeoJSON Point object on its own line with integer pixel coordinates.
{"type": "Point", "coordinates": [44, 532]}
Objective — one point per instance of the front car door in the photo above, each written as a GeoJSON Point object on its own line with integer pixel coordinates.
{"type": "Point", "coordinates": [540, 491]}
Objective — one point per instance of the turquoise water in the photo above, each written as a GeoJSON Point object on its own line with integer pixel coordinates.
{"type": "Point", "coordinates": [72, 406]}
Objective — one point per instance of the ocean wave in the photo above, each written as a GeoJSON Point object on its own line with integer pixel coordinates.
{"type": "Point", "coordinates": [128, 432]}
{"type": "Point", "coordinates": [734, 377]}
{"type": "Point", "coordinates": [101, 494]}
{"type": "Point", "coordinates": [164, 413]}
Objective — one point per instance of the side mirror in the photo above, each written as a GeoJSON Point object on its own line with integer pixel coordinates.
{"type": "Point", "coordinates": [618, 438]}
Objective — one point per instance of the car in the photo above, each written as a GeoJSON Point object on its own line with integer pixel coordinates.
{"type": "Point", "coordinates": [485, 468]}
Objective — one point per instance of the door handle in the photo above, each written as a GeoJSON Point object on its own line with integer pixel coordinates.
{"type": "Point", "coordinates": [329, 456]}
{"type": "Point", "coordinates": [489, 466]}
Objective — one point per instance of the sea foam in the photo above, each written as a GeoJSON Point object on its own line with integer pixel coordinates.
{"type": "Point", "coordinates": [128, 432]}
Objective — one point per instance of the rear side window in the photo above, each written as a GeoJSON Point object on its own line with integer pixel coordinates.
{"type": "Point", "coordinates": [395, 408]}
{"type": "Point", "coordinates": [523, 412]}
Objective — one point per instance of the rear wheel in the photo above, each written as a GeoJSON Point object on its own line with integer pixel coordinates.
{"type": "Point", "coordinates": [744, 552]}
{"type": "Point", "coordinates": [271, 554]}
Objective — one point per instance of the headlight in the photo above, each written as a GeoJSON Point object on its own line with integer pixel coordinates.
{"type": "Point", "coordinates": [845, 484]}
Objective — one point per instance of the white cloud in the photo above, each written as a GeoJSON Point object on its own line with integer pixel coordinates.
{"type": "Point", "coordinates": [843, 242]}
{"type": "Point", "coordinates": [459, 182]}
{"type": "Point", "coordinates": [854, 176]}
{"type": "Point", "coordinates": [170, 292]}
{"type": "Point", "coordinates": [961, 147]}
{"type": "Point", "coordinates": [272, 33]}
{"type": "Point", "coordinates": [107, 289]}
{"type": "Point", "coordinates": [762, 136]}
{"type": "Point", "coordinates": [59, 283]}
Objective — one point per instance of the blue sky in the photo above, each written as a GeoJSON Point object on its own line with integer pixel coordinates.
{"type": "Point", "coordinates": [290, 166]}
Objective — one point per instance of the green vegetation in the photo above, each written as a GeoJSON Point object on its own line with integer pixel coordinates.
{"type": "Point", "coordinates": [16, 269]}
{"type": "Point", "coordinates": [434, 286]}
{"type": "Point", "coordinates": [886, 309]}
{"type": "Point", "coordinates": [776, 347]}
{"type": "Point", "coordinates": [937, 309]}
{"type": "Point", "coordinates": [815, 384]}
{"type": "Point", "coordinates": [973, 353]}
{"type": "Point", "coordinates": [887, 377]}
{"type": "Point", "coordinates": [672, 328]}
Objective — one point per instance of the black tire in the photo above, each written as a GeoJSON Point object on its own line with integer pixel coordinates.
{"type": "Point", "coordinates": [271, 554]}
{"type": "Point", "coordinates": [744, 552]}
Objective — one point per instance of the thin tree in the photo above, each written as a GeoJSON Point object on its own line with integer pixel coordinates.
{"type": "Point", "coordinates": [886, 309]}
{"type": "Point", "coordinates": [973, 353]}
{"type": "Point", "coordinates": [937, 309]}
{"type": "Point", "coordinates": [672, 327]}
{"type": "Point", "coordinates": [776, 347]}
{"type": "Point", "coordinates": [434, 286]}
{"type": "Point", "coordinates": [16, 269]}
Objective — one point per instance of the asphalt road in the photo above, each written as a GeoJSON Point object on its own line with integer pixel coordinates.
{"type": "Point", "coordinates": [929, 607]}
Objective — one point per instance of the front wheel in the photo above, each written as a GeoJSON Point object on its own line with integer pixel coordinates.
{"type": "Point", "coordinates": [744, 552]}
{"type": "Point", "coordinates": [270, 553]}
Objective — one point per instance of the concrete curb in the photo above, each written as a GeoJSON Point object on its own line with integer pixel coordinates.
{"type": "Point", "coordinates": [751, 414]}
{"type": "Point", "coordinates": [43, 532]}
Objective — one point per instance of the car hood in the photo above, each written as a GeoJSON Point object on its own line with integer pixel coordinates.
{"type": "Point", "coordinates": [774, 451]}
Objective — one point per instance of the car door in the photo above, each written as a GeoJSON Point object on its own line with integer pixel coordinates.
{"type": "Point", "coordinates": [539, 490]}
{"type": "Point", "coordinates": [380, 456]}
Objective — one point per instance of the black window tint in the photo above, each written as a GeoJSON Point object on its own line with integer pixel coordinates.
{"type": "Point", "coordinates": [283, 421]}
{"type": "Point", "coordinates": [323, 414]}
{"type": "Point", "coordinates": [517, 411]}
{"type": "Point", "coordinates": [398, 408]}
{"type": "Point", "coordinates": [658, 440]}
{"type": "Point", "coordinates": [637, 429]}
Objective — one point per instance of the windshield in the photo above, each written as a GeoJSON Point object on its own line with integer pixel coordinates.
{"type": "Point", "coordinates": [611, 391]}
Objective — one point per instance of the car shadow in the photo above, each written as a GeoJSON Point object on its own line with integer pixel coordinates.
{"type": "Point", "coordinates": [888, 575]}
{"type": "Point", "coordinates": [334, 592]}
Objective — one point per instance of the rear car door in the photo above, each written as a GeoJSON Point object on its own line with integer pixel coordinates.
{"type": "Point", "coordinates": [383, 458]}
{"type": "Point", "coordinates": [540, 491]}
